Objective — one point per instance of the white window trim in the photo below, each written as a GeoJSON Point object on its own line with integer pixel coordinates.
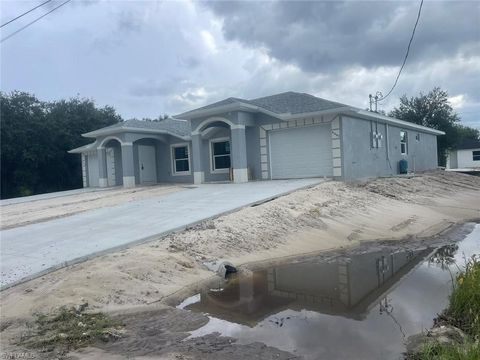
{"type": "Point", "coordinates": [404, 142]}
{"type": "Point", "coordinates": [172, 157]}
{"type": "Point", "coordinates": [210, 145]}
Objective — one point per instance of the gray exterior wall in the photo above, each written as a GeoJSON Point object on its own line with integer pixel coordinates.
{"type": "Point", "coordinates": [361, 160]}
{"type": "Point", "coordinates": [118, 161]}
{"type": "Point", "coordinates": [206, 163]}
{"type": "Point", "coordinates": [253, 152]}
{"type": "Point", "coordinates": [165, 162]}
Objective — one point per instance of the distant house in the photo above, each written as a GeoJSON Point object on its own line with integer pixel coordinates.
{"type": "Point", "coordinates": [283, 136]}
{"type": "Point", "coordinates": [465, 156]}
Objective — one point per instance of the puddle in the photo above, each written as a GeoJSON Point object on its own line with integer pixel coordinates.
{"type": "Point", "coordinates": [362, 306]}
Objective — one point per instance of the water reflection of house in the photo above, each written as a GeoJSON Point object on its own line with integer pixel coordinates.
{"type": "Point", "coordinates": [346, 286]}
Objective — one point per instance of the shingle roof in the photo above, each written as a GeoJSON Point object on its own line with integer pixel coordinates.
{"type": "Point", "coordinates": [176, 127]}
{"type": "Point", "coordinates": [228, 101]}
{"type": "Point", "coordinates": [294, 103]}
{"type": "Point", "coordinates": [468, 144]}
{"type": "Point", "coordinates": [283, 103]}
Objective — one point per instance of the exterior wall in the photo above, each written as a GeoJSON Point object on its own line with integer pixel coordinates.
{"type": "Point", "coordinates": [465, 159]}
{"type": "Point", "coordinates": [165, 172]}
{"type": "Point", "coordinates": [117, 155]}
{"type": "Point", "coordinates": [210, 176]}
{"type": "Point", "coordinates": [164, 160]}
{"type": "Point", "coordinates": [253, 152]}
{"type": "Point", "coordinates": [362, 160]}
{"type": "Point", "coordinates": [92, 169]}
{"type": "Point", "coordinates": [452, 162]}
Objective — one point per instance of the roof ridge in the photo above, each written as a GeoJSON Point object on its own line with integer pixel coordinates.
{"type": "Point", "coordinates": [282, 93]}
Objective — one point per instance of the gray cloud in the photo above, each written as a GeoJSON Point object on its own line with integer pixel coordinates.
{"type": "Point", "coordinates": [166, 87]}
{"type": "Point", "coordinates": [189, 62]}
{"type": "Point", "coordinates": [147, 58]}
{"type": "Point", "coordinates": [318, 36]}
{"type": "Point", "coordinates": [129, 21]}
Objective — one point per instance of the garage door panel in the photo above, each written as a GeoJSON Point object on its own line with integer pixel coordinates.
{"type": "Point", "coordinates": [301, 152]}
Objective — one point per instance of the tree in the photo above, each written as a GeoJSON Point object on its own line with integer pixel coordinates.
{"type": "Point", "coordinates": [35, 138]}
{"type": "Point", "coordinates": [433, 110]}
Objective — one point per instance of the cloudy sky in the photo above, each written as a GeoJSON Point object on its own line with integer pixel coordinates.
{"type": "Point", "coordinates": [147, 58]}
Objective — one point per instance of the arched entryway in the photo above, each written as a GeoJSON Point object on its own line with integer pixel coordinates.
{"type": "Point", "coordinates": [112, 162]}
{"type": "Point", "coordinates": [219, 151]}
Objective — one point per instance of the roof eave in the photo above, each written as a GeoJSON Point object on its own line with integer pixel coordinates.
{"type": "Point", "coordinates": [82, 149]}
{"type": "Point", "coordinates": [371, 115]}
{"type": "Point", "coordinates": [241, 106]}
{"type": "Point", "coordinates": [316, 113]}
{"type": "Point", "coordinates": [236, 106]}
{"type": "Point", "coordinates": [103, 132]}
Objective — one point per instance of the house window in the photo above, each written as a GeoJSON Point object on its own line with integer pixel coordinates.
{"type": "Point", "coordinates": [476, 155]}
{"type": "Point", "coordinates": [403, 142]}
{"type": "Point", "coordinates": [181, 159]}
{"type": "Point", "coordinates": [220, 150]}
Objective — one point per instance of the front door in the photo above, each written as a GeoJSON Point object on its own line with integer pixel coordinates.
{"type": "Point", "coordinates": [110, 166]}
{"type": "Point", "coordinates": [146, 162]}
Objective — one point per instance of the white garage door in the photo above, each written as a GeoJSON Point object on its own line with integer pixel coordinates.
{"type": "Point", "coordinates": [301, 152]}
{"type": "Point", "coordinates": [92, 168]}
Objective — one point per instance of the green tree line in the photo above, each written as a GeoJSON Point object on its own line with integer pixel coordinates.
{"type": "Point", "coordinates": [433, 110]}
{"type": "Point", "coordinates": [35, 138]}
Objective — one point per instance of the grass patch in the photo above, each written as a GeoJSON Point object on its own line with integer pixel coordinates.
{"type": "Point", "coordinates": [435, 351]}
{"type": "Point", "coordinates": [463, 312]}
{"type": "Point", "coordinates": [464, 308]}
{"type": "Point", "coordinates": [68, 329]}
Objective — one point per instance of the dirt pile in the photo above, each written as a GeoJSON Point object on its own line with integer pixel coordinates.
{"type": "Point", "coordinates": [331, 215]}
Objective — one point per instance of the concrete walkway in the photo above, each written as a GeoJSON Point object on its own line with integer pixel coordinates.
{"type": "Point", "coordinates": [29, 251]}
{"type": "Point", "coordinates": [25, 199]}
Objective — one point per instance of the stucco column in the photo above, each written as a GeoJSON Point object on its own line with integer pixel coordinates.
{"type": "Point", "coordinates": [127, 165]}
{"type": "Point", "coordinates": [84, 171]}
{"type": "Point", "coordinates": [239, 155]}
{"type": "Point", "coordinates": [102, 167]}
{"type": "Point", "coordinates": [198, 174]}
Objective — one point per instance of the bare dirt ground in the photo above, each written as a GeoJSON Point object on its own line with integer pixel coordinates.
{"type": "Point", "coordinates": [329, 216]}
{"type": "Point", "coordinates": [21, 214]}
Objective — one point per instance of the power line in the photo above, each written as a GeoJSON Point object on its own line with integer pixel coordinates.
{"type": "Point", "coordinates": [25, 13]}
{"type": "Point", "coordinates": [33, 22]}
{"type": "Point", "coordinates": [377, 98]}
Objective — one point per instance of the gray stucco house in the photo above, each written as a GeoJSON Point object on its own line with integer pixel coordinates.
{"type": "Point", "coordinates": [288, 135]}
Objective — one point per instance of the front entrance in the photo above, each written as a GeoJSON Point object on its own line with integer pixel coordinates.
{"type": "Point", "coordinates": [111, 177]}
{"type": "Point", "coordinates": [147, 164]}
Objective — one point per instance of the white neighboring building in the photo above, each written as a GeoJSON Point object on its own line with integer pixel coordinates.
{"type": "Point", "coordinates": [465, 156]}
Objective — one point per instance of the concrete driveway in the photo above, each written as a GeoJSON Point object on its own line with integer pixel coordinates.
{"type": "Point", "coordinates": [32, 250]}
